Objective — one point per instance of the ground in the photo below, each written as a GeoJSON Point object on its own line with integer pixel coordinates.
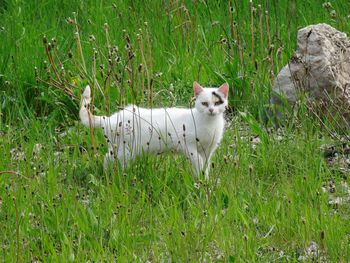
{"type": "Point", "coordinates": [274, 194]}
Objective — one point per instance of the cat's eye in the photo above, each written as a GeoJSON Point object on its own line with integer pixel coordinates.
{"type": "Point", "coordinates": [218, 103]}
{"type": "Point", "coordinates": [205, 104]}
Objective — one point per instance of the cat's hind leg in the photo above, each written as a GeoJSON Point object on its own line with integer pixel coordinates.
{"type": "Point", "coordinates": [108, 159]}
{"type": "Point", "coordinates": [124, 155]}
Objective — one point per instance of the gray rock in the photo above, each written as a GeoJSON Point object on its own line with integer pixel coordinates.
{"type": "Point", "coordinates": [319, 68]}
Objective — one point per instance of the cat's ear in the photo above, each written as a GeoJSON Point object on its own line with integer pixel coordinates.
{"type": "Point", "coordinates": [197, 88]}
{"type": "Point", "coordinates": [224, 89]}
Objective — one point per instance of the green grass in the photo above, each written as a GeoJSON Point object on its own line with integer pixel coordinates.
{"type": "Point", "coordinates": [261, 204]}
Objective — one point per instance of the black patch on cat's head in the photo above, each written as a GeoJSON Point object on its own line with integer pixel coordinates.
{"type": "Point", "coordinates": [220, 100]}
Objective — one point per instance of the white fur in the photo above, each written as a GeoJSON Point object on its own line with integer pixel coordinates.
{"type": "Point", "coordinates": [194, 132]}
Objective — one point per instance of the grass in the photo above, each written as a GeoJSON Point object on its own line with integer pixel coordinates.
{"type": "Point", "coordinates": [57, 203]}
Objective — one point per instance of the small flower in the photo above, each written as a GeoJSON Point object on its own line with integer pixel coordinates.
{"type": "Point", "coordinates": [223, 40]}
{"type": "Point", "coordinates": [327, 5]}
{"type": "Point", "coordinates": [37, 148]}
{"type": "Point", "coordinates": [333, 14]}
{"type": "Point", "coordinates": [255, 141]}
{"type": "Point", "coordinates": [69, 20]}
{"type": "Point", "coordinates": [158, 74]}
{"type": "Point", "coordinates": [92, 38]}
{"type": "Point", "coordinates": [254, 11]}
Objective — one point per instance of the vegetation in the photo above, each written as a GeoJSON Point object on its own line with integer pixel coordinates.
{"type": "Point", "coordinates": [271, 194]}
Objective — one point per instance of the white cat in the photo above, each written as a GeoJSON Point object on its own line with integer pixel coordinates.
{"type": "Point", "coordinates": [194, 132]}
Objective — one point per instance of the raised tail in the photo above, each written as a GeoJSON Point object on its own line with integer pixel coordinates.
{"type": "Point", "coordinates": [86, 117]}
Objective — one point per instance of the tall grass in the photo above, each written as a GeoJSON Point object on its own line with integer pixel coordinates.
{"type": "Point", "coordinates": [57, 203]}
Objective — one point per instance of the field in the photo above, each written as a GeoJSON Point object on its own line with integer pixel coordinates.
{"type": "Point", "coordinates": [272, 196]}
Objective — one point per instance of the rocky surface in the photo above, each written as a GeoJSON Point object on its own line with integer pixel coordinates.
{"type": "Point", "coordinates": [320, 67]}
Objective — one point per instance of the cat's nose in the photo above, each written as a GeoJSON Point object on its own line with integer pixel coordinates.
{"type": "Point", "coordinates": [211, 110]}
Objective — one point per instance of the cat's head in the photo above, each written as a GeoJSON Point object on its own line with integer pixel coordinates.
{"type": "Point", "coordinates": [211, 101]}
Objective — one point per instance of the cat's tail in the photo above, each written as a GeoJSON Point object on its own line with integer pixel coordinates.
{"type": "Point", "coordinates": [86, 117]}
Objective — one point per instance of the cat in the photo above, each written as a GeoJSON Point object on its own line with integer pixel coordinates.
{"type": "Point", "coordinates": [194, 132]}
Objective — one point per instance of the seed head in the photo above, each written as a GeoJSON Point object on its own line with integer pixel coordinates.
{"type": "Point", "coordinates": [251, 168]}
{"type": "Point", "coordinates": [322, 235]}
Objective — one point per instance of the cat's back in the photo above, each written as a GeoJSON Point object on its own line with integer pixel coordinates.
{"type": "Point", "coordinates": [174, 112]}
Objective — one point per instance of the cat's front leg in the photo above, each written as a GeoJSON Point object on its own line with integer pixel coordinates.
{"type": "Point", "coordinates": [196, 161]}
{"type": "Point", "coordinates": [207, 164]}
